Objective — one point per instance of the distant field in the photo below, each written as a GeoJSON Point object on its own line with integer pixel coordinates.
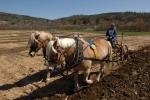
{"type": "Point", "coordinates": [103, 32]}
{"type": "Point", "coordinates": [136, 33]}
{"type": "Point", "coordinates": [15, 31]}
{"type": "Point", "coordinates": [80, 31]}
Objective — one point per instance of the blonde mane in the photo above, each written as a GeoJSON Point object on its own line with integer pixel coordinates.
{"type": "Point", "coordinates": [62, 42]}
{"type": "Point", "coordinates": [66, 42]}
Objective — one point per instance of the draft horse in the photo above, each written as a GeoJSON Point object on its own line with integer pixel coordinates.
{"type": "Point", "coordinates": [80, 56]}
{"type": "Point", "coordinates": [52, 56]}
{"type": "Point", "coordinates": [38, 40]}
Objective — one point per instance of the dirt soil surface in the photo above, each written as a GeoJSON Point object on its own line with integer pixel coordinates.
{"type": "Point", "coordinates": [20, 75]}
{"type": "Point", "coordinates": [130, 82]}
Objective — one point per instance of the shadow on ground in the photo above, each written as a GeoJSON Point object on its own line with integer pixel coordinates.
{"type": "Point", "coordinates": [61, 86]}
{"type": "Point", "coordinates": [25, 81]}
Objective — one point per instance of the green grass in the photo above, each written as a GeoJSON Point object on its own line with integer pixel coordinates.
{"type": "Point", "coordinates": [103, 32]}
{"type": "Point", "coordinates": [82, 31]}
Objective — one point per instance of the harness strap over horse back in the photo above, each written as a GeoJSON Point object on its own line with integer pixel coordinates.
{"type": "Point", "coordinates": [78, 56]}
{"type": "Point", "coordinates": [93, 47]}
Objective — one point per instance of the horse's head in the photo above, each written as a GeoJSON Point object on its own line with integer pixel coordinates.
{"type": "Point", "coordinates": [34, 44]}
{"type": "Point", "coordinates": [56, 46]}
{"type": "Point", "coordinates": [54, 58]}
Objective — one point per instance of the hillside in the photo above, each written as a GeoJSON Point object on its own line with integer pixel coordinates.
{"type": "Point", "coordinates": [127, 21]}
{"type": "Point", "coordinates": [13, 21]}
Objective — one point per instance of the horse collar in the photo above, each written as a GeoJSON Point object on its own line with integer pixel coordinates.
{"type": "Point", "coordinates": [77, 56]}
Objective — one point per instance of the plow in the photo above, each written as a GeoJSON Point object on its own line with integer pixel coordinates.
{"type": "Point", "coordinates": [120, 52]}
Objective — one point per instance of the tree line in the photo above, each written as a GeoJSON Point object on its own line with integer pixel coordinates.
{"type": "Point", "coordinates": [125, 21]}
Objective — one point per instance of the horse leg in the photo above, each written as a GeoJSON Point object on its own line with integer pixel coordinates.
{"type": "Point", "coordinates": [76, 81]}
{"type": "Point", "coordinates": [44, 54]}
{"type": "Point", "coordinates": [47, 75]}
{"type": "Point", "coordinates": [48, 72]}
{"type": "Point", "coordinates": [101, 72]}
{"type": "Point", "coordinates": [87, 73]}
{"type": "Point", "coordinates": [87, 66]}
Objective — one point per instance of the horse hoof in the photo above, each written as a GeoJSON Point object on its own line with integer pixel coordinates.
{"type": "Point", "coordinates": [89, 82]}
{"type": "Point", "coordinates": [46, 80]}
{"type": "Point", "coordinates": [97, 80]}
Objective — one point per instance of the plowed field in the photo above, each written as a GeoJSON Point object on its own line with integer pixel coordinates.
{"type": "Point", "coordinates": [20, 75]}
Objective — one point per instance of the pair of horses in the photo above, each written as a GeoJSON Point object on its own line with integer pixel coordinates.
{"type": "Point", "coordinates": [76, 53]}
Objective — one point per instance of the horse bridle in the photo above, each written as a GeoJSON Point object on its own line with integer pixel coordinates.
{"type": "Point", "coordinates": [77, 56]}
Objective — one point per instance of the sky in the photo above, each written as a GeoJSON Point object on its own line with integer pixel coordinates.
{"type": "Point", "coordinates": [54, 9]}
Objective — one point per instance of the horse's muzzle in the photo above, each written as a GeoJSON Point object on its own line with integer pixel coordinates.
{"type": "Point", "coordinates": [32, 54]}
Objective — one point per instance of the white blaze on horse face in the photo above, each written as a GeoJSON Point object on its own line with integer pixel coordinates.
{"type": "Point", "coordinates": [32, 53]}
{"type": "Point", "coordinates": [54, 50]}
{"type": "Point", "coordinates": [50, 49]}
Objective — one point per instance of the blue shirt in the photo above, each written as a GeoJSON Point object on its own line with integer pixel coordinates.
{"type": "Point", "coordinates": [111, 32]}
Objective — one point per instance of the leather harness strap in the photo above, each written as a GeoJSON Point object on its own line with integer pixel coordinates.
{"type": "Point", "coordinates": [93, 47]}
{"type": "Point", "coordinates": [77, 57]}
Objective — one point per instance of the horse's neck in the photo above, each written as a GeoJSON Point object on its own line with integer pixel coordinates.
{"type": "Point", "coordinates": [67, 42]}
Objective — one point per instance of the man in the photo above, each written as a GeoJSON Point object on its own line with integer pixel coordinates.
{"type": "Point", "coordinates": [111, 34]}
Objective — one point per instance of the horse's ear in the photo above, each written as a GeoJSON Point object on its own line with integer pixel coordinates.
{"type": "Point", "coordinates": [55, 43]}
{"type": "Point", "coordinates": [55, 38]}
{"type": "Point", "coordinates": [37, 36]}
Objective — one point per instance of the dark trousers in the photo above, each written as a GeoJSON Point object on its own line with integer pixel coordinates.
{"type": "Point", "coordinates": [113, 43]}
